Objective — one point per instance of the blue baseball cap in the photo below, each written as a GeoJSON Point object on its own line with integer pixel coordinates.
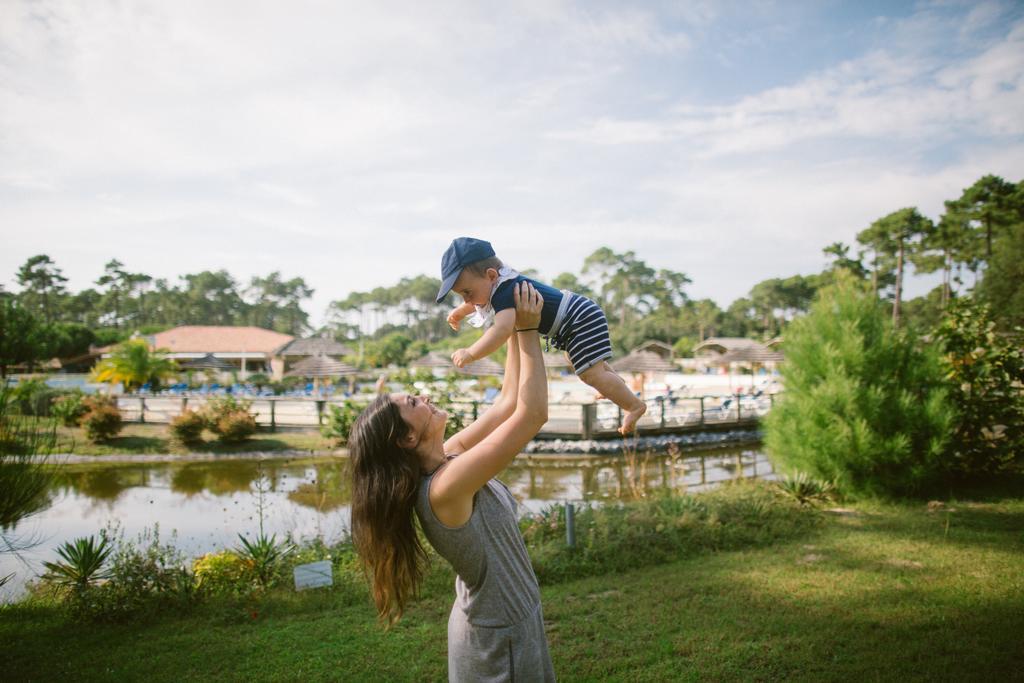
{"type": "Point", "coordinates": [461, 252]}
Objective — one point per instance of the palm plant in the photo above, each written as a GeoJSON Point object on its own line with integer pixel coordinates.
{"type": "Point", "coordinates": [82, 563]}
{"type": "Point", "coordinates": [805, 489]}
{"type": "Point", "coordinates": [264, 556]}
{"type": "Point", "coordinates": [133, 364]}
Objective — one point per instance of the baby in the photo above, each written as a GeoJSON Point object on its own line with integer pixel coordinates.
{"type": "Point", "coordinates": [571, 322]}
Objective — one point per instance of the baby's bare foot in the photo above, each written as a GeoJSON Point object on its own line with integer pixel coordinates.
{"type": "Point", "coordinates": [630, 417]}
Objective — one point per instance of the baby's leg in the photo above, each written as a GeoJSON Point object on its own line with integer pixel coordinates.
{"type": "Point", "coordinates": [607, 382]}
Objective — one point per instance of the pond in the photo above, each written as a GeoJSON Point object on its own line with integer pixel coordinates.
{"type": "Point", "coordinates": [207, 503]}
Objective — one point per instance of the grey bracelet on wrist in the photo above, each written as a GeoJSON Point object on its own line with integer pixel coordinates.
{"type": "Point", "coordinates": [528, 329]}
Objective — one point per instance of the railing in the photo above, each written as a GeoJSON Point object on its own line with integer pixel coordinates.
{"type": "Point", "coordinates": [573, 420]}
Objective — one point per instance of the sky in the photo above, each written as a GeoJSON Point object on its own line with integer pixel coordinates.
{"type": "Point", "coordinates": [348, 143]}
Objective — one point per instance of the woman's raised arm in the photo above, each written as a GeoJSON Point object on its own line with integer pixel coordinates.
{"type": "Point", "coordinates": [453, 488]}
{"type": "Point", "coordinates": [500, 411]}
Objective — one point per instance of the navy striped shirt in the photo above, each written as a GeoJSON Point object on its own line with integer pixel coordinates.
{"type": "Point", "coordinates": [502, 299]}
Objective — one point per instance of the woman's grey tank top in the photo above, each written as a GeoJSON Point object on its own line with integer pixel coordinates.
{"type": "Point", "coordinates": [495, 586]}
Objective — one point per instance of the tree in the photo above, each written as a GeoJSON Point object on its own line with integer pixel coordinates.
{"type": "Point", "coordinates": [865, 404]}
{"type": "Point", "coordinates": [986, 206]}
{"type": "Point", "coordinates": [84, 308]}
{"type": "Point", "coordinates": [891, 238]}
{"type": "Point", "coordinates": [20, 336]}
{"type": "Point", "coordinates": [573, 284]}
{"type": "Point", "coordinates": [943, 246]}
{"type": "Point", "coordinates": [133, 364]}
{"type": "Point", "coordinates": [43, 284]}
{"type": "Point", "coordinates": [840, 252]}
{"type": "Point", "coordinates": [66, 340]}
{"type": "Point", "coordinates": [625, 283]}
{"type": "Point", "coordinates": [116, 280]}
{"type": "Point", "coordinates": [986, 372]}
{"type": "Point", "coordinates": [211, 298]}
{"type": "Point", "coordinates": [706, 314]}
{"type": "Point", "coordinates": [388, 350]}
{"type": "Point", "coordinates": [1002, 286]}
{"type": "Point", "coordinates": [276, 304]}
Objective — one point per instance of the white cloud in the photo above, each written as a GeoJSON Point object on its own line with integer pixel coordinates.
{"type": "Point", "coordinates": [349, 142]}
{"type": "Point", "coordinates": [881, 95]}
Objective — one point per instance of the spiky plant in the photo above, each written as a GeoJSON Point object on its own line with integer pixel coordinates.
{"type": "Point", "coordinates": [264, 556]}
{"type": "Point", "coordinates": [82, 564]}
{"type": "Point", "coordinates": [805, 489]}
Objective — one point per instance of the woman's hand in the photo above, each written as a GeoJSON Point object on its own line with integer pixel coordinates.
{"type": "Point", "coordinates": [529, 303]}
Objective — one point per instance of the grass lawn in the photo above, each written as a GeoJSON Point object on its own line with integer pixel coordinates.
{"type": "Point", "coordinates": [885, 592]}
{"type": "Point", "coordinates": [141, 439]}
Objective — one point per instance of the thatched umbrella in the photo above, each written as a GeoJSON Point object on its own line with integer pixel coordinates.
{"type": "Point", "coordinates": [438, 359]}
{"type": "Point", "coordinates": [641, 364]}
{"type": "Point", "coordinates": [433, 359]}
{"type": "Point", "coordinates": [484, 366]}
{"type": "Point", "coordinates": [754, 355]}
{"type": "Point", "coordinates": [643, 361]}
{"type": "Point", "coordinates": [751, 354]}
{"type": "Point", "coordinates": [320, 366]}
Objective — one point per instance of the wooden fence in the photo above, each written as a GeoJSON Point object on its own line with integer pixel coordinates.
{"type": "Point", "coordinates": [565, 420]}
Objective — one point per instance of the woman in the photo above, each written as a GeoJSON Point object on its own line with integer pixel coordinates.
{"type": "Point", "coordinates": [401, 463]}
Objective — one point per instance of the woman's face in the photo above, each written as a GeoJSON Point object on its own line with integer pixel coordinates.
{"type": "Point", "coordinates": [422, 416]}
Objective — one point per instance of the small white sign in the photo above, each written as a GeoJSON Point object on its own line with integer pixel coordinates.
{"type": "Point", "coordinates": [313, 575]}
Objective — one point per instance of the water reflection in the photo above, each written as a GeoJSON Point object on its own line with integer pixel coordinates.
{"type": "Point", "coordinates": [208, 503]}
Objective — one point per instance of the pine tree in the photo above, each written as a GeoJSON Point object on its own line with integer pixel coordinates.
{"type": "Point", "coordinates": [864, 405]}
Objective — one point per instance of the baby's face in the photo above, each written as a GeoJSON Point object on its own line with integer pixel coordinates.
{"type": "Point", "coordinates": [473, 288]}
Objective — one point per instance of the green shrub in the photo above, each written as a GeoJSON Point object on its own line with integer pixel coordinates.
{"type": "Point", "coordinates": [102, 422]}
{"type": "Point", "coordinates": [340, 420]}
{"type": "Point", "coordinates": [986, 376]}
{"type": "Point", "coordinates": [146, 576]}
{"type": "Point", "coordinates": [99, 400]}
{"type": "Point", "coordinates": [234, 427]}
{"type": "Point", "coordinates": [223, 573]}
{"type": "Point", "coordinates": [865, 405]}
{"type": "Point", "coordinates": [69, 408]}
{"type": "Point", "coordinates": [229, 419]}
{"type": "Point", "coordinates": [81, 563]}
{"type": "Point", "coordinates": [187, 428]}
{"type": "Point", "coordinates": [805, 489]}
{"type": "Point", "coordinates": [614, 538]}
{"type": "Point", "coordinates": [33, 397]}
{"type": "Point", "coordinates": [265, 557]}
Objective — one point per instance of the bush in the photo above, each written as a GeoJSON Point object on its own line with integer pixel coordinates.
{"type": "Point", "coordinates": [188, 427]}
{"type": "Point", "coordinates": [102, 421]}
{"type": "Point", "coordinates": [340, 420]}
{"type": "Point", "coordinates": [69, 408]}
{"type": "Point", "coordinates": [615, 538]}
{"type": "Point", "coordinates": [264, 557]}
{"type": "Point", "coordinates": [229, 419]}
{"type": "Point", "coordinates": [33, 397]}
{"type": "Point", "coordinates": [234, 427]}
{"type": "Point", "coordinates": [986, 374]}
{"type": "Point", "coordinates": [865, 406]}
{"type": "Point", "coordinates": [144, 576]}
{"type": "Point", "coordinates": [223, 573]}
{"type": "Point", "coordinates": [804, 489]}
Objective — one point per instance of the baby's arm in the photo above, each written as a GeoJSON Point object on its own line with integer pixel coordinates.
{"type": "Point", "coordinates": [460, 312]}
{"type": "Point", "coordinates": [491, 341]}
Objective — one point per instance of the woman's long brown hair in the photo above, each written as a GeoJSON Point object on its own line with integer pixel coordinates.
{"type": "Point", "coordinates": [385, 480]}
